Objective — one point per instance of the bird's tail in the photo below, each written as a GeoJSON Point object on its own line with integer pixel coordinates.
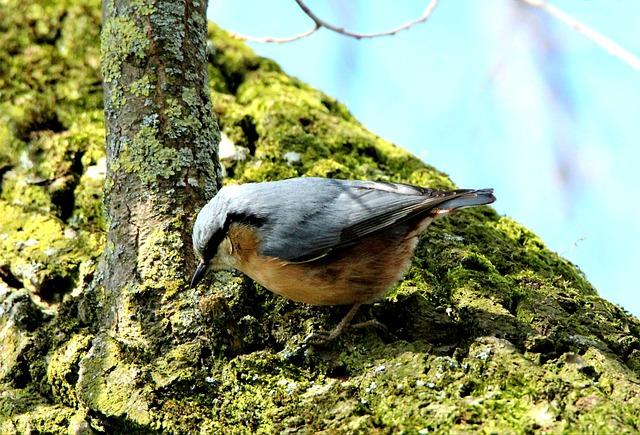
{"type": "Point", "coordinates": [466, 198]}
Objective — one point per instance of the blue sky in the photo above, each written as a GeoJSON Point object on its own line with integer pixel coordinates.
{"type": "Point", "coordinates": [496, 95]}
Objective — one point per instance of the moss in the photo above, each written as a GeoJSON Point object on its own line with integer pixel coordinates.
{"type": "Point", "coordinates": [15, 334]}
{"type": "Point", "coordinates": [475, 275]}
{"type": "Point", "coordinates": [111, 394]}
{"type": "Point", "coordinates": [43, 255]}
{"type": "Point", "coordinates": [141, 87]}
{"type": "Point", "coordinates": [153, 160]}
{"type": "Point", "coordinates": [160, 248]}
{"type": "Point", "coordinates": [489, 331]}
{"type": "Point", "coordinates": [32, 414]}
{"type": "Point", "coordinates": [122, 37]}
{"type": "Point", "coordinates": [277, 114]}
{"type": "Point", "coordinates": [181, 119]}
{"type": "Point", "coordinates": [62, 370]}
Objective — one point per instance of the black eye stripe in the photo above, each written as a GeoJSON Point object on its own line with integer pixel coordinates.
{"type": "Point", "coordinates": [213, 243]}
{"type": "Point", "coordinates": [211, 248]}
{"type": "Point", "coordinates": [245, 218]}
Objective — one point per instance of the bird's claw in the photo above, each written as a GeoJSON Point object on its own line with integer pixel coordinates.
{"type": "Point", "coordinates": [373, 323]}
{"type": "Point", "coordinates": [320, 338]}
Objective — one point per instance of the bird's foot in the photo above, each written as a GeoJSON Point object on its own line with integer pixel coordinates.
{"type": "Point", "coordinates": [323, 338]}
{"type": "Point", "coordinates": [373, 323]}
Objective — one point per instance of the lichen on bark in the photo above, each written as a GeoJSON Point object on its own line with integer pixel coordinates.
{"type": "Point", "coordinates": [489, 330]}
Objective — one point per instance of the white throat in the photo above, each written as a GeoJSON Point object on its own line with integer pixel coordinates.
{"type": "Point", "coordinates": [224, 258]}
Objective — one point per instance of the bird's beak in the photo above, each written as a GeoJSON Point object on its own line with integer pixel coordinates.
{"type": "Point", "coordinates": [198, 274]}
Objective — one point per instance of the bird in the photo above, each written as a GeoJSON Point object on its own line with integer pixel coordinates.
{"type": "Point", "coordinates": [321, 241]}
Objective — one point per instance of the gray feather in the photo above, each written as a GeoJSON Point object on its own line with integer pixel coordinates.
{"type": "Point", "coordinates": [306, 218]}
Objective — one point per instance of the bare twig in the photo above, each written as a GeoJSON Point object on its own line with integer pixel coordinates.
{"type": "Point", "coordinates": [604, 42]}
{"type": "Point", "coordinates": [275, 40]}
{"type": "Point", "coordinates": [320, 23]}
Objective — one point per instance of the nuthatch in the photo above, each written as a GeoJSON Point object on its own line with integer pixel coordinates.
{"type": "Point", "coordinates": [321, 241]}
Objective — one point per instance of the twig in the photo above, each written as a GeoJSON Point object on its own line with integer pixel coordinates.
{"type": "Point", "coordinates": [320, 23]}
{"type": "Point", "coordinates": [608, 44]}
{"type": "Point", "coordinates": [275, 40]}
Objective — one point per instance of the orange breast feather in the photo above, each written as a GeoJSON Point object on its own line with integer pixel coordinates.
{"type": "Point", "coordinates": [360, 273]}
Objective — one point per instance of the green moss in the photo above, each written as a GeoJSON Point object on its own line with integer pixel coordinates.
{"type": "Point", "coordinates": [277, 114]}
{"type": "Point", "coordinates": [62, 370]}
{"type": "Point", "coordinates": [148, 158]}
{"type": "Point", "coordinates": [143, 7]}
{"type": "Point", "coordinates": [16, 326]}
{"type": "Point", "coordinates": [177, 366]}
{"type": "Point", "coordinates": [31, 413]}
{"type": "Point", "coordinates": [121, 37]}
{"type": "Point", "coordinates": [161, 248]}
{"type": "Point", "coordinates": [112, 394]}
{"type": "Point", "coordinates": [189, 96]}
{"type": "Point", "coordinates": [181, 120]}
{"type": "Point", "coordinates": [141, 87]}
{"type": "Point", "coordinates": [41, 253]}
{"type": "Point", "coordinates": [475, 274]}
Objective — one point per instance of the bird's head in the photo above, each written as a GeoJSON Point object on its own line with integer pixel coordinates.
{"type": "Point", "coordinates": [209, 233]}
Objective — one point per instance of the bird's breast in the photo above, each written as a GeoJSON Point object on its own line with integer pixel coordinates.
{"type": "Point", "coordinates": [360, 273]}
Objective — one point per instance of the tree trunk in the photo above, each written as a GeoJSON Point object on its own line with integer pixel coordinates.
{"type": "Point", "coordinates": [161, 144]}
{"type": "Point", "coordinates": [161, 151]}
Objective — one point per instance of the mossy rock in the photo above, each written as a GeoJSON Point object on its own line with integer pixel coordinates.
{"type": "Point", "coordinates": [488, 331]}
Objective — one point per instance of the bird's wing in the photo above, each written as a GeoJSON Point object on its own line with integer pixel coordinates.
{"type": "Point", "coordinates": [338, 214]}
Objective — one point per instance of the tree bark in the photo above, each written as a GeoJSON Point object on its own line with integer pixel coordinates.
{"type": "Point", "coordinates": [161, 155]}
{"type": "Point", "coordinates": [161, 147]}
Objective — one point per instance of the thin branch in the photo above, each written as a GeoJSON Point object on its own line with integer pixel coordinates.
{"type": "Point", "coordinates": [608, 44]}
{"type": "Point", "coordinates": [275, 40]}
{"type": "Point", "coordinates": [319, 23]}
